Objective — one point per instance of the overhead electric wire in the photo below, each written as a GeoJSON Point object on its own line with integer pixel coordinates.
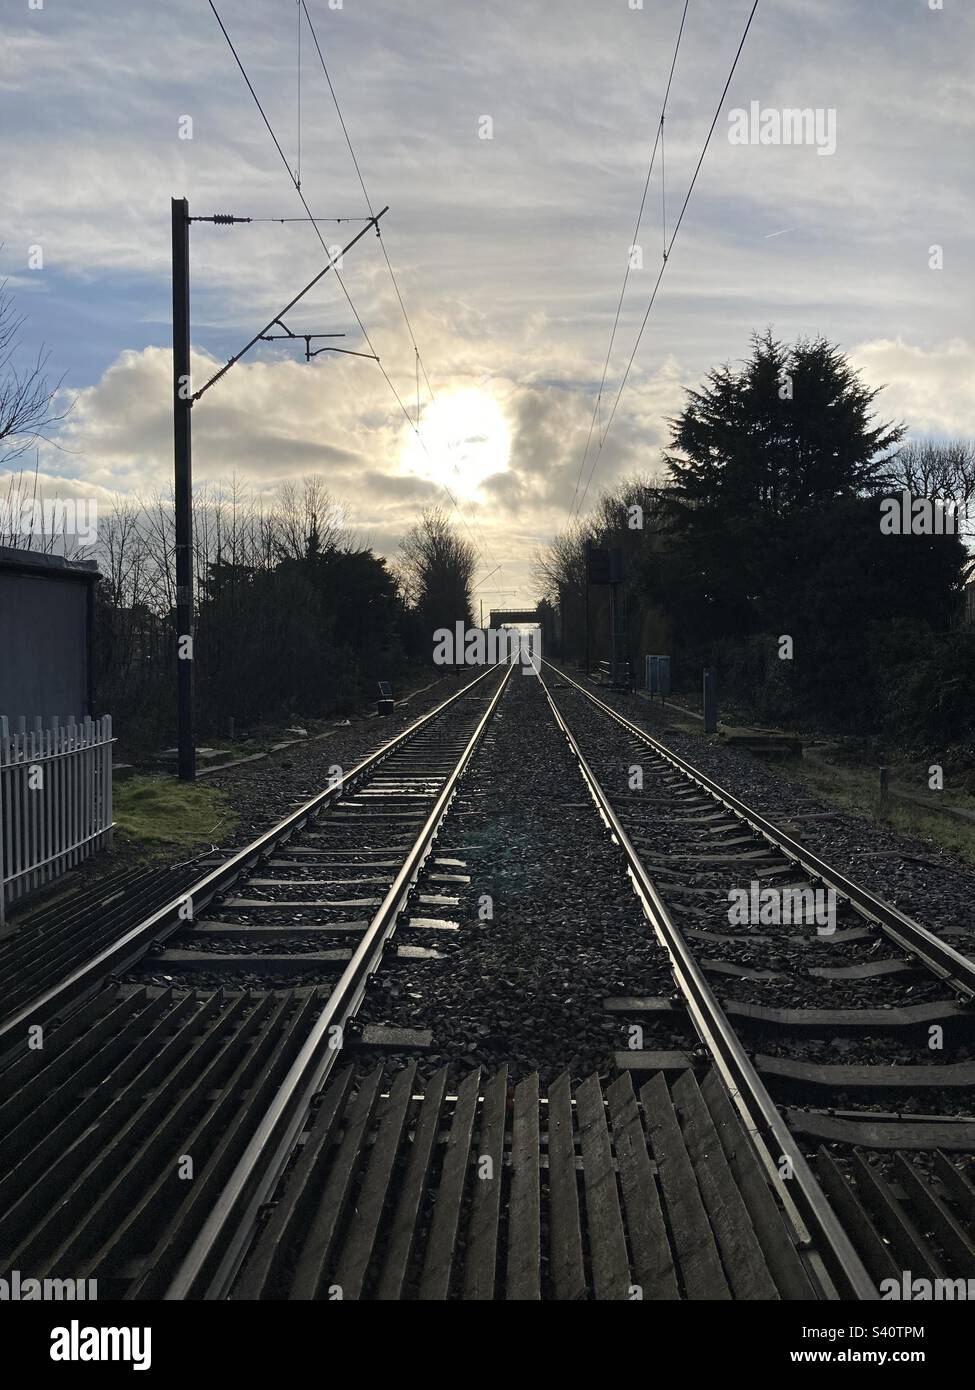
{"type": "Point", "coordinates": [633, 242]}
{"type": "Point", "coordinates": [666, 261]}
{"type": "Point", "coordinates": [362, 182]}
{"type": "Point", "coordinates": [392, 274]}
{"type": "Point", "coordinates": [311, 218]}
{"type": "Point", "coordinates": [298, 166]}
{"type": "Point", "coordinates": [663, 188]}
{"type": "Point", "coordinates": [291, 176]}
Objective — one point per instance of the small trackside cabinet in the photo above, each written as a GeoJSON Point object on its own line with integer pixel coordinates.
{"type": "Point", "coordinates": [658, 675]}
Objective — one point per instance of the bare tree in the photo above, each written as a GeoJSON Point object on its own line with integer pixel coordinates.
{"type": "Point", "coordinates": [624, 517]}
{"type": "Point", "coordinates": [19, 501]}
{"type": "Point", "coordinates": [159, 537]}
{"type": "Point", "coordinates": [436, 571]}
{"type": "Point", "coordinates": [27, 400]}
{"type": "Point", "coordinates": [943, 469]}
{"type": "Point", "coordinates": [307, 519]}
{"type": "Point", "coordinates": [560, 567]}
{"type": "Point", "coordinates": [24, 517]}
{"type": "Point", "coordinates": [122, 554]}
{"type": "Point", "coordinates": [628, 517]}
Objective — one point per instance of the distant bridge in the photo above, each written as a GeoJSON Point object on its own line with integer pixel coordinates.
{"type": "Point", "coordinates": [501, 616]}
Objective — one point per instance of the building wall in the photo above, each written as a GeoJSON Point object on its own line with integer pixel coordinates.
{"type": "Point", "coordinates": [43, 646]}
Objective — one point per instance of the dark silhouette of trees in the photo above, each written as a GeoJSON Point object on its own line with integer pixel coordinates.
{"type": "Point", "coordinates": [942, 468]}
{"type": "Point", "coordinates": [436, 571]}
{"type": "Point", "coordinates": [559, 573]}
{"type": "Point", "coordinates": [628, 519]}
{"type": "Point", "coordinates": [767, 525]}
{"type": "Point", "coordinates": [294, 618]}
{"type": "Point", "coordinates": [791, 429]}
{"type": "Point", "coordinates": [758, 455]}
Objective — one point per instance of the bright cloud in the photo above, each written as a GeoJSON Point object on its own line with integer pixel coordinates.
{"type": "Point", "coordinates": [508, 252]}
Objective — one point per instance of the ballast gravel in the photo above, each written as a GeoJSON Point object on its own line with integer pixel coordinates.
{"type": "Point", "coordinates": [549, 924]}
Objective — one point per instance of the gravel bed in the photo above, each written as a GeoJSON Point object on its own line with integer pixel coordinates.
{"type": "Point", "coordinates": [332, 896]}
{"type": "Point", "coordinates": [939, 894]}
{"type": "Point", "coordinates": [698, 896]}
{"type": "Point", "coordinates": [261, 793]}
{"type": "Point", "coordinates": [526, 987]}
{"type": "Point", "coordinates": [701, 897]}
{"type": "Point", "coordinates": [258, 793]}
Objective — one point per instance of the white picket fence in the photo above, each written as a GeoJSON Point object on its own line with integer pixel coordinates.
{"type": "Point", "coordinates": [55, 800]}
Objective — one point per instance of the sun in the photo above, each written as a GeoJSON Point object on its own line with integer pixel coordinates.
{"type": "Point", "coordinates": [465, 439]}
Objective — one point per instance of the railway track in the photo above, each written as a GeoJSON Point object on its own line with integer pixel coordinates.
{"type": "Point", "coordinates": [681, 1178]}
{"type": "Point", "coordinates": [65, 950]}
{"type": "Point", "coordinates": [888, 1189]}
{"type": "Point", "coordinates": [206, 1118]}
{"type": "Point", "coordinates": [144, 1120]}
{"type": "Point", "coordinates": [533, 1175]}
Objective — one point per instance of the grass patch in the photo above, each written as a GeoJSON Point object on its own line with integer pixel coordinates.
{"type": "Point", "coordinates": [842, 779]}
{"type": "Point", "coordinates": [161, 811]}
{"type": "Point", "coordinates": [857, 791]}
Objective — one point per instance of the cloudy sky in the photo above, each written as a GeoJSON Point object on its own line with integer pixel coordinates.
{"type": "Point", "coordinates": [509, 251]}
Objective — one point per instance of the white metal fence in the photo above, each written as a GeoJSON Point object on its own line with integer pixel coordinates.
{"type": "Point", "coordinates": [55, 800]}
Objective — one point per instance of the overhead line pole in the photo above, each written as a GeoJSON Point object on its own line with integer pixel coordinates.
{"type": "Point", "coordinates": [182, 453]}
{"type": "Point", "coordinates": [588, 662]}
{"type": "Point", "coordinates": [184, 399]}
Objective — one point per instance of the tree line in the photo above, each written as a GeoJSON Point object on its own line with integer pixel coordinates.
{"type": "Point", "coordinates": [295, 618]}
{"type": "Point", "coordinates": [759, 551]}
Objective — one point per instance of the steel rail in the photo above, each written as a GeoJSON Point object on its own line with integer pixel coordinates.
{"type": "Point", "coordinates": [833, 1262]}
{"type": "Point", "coordinates": [161, 923]}
{"type": "Point", "coordinates": [211, 1264]}
{"type": "Point", "coordinates": [904, 931]}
